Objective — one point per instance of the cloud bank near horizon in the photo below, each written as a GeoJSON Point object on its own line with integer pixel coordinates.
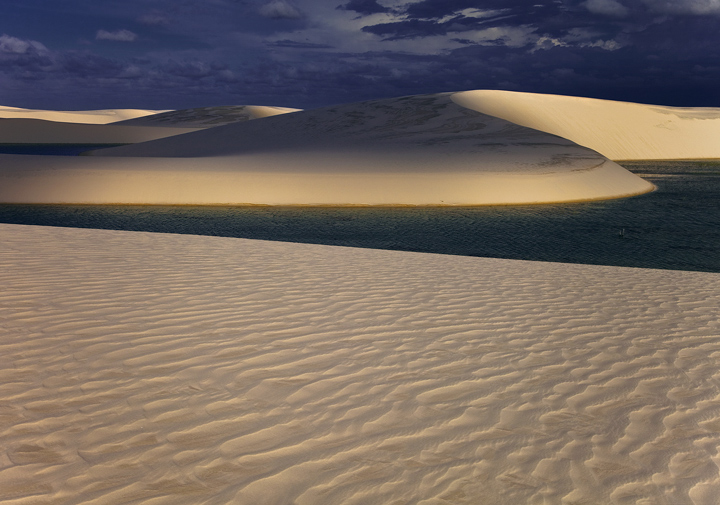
{"type": "Point", "coordinates": [300, 53]}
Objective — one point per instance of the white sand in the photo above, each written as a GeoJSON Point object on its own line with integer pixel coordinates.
{"type": "Point", "coordinates": [618, 130]}
{"type": "Point", "coordinates": [151, 369]}
{"type": "Point", "coordinates": [76, 116]}
{"type": "Point", "coordinates": [423, 150]}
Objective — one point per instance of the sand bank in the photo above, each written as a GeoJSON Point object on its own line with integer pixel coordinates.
{"type": "Point", "coordinates": [76, 116]}
{"type": "Point", "coordinates": [266, 180]}
{"type": "Point", "coordinates": [156, 368]}
{"type": "Point", "coordinates": [618, 130]}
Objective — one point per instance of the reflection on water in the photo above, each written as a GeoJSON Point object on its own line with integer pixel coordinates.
{"type": "Point", "coordinates": [675, 227]}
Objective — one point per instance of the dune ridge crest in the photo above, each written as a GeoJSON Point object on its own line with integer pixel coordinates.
{"type": "Point", "coordinates": [618, 130]}
{"type": "Point", "coordinates": [103, 116]}
{"type": "Point", "coordinates": [208, 117]}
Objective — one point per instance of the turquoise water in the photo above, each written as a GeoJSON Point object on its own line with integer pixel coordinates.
{"type": "Point", "coordinates": [676, 227]}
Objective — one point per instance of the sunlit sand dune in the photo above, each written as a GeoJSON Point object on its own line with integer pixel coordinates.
{"type": "Point", "coordinates": [422, 150]}
{"type": "Point", "coordinates": [76, 116]}
{"type": "Point", "coordinates": [618, 130]}
{"type": "Point", "coordinates": [166, 369]}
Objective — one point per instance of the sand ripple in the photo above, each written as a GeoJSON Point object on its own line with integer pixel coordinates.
{"type": "Point", "coordinates": [149, 368]}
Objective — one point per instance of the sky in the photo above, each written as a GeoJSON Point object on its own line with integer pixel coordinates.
{"type": "Point", "coordinates": [174, 54]}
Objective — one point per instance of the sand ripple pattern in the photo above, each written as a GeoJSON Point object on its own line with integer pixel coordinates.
{"type": "Point", "coordinates": [170, 369]}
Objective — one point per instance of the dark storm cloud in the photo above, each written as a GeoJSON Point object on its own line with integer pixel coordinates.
{"type": "Point", "coordinates": [153, 18]}
{"type": "Point", "coordinates": [298, 45]}
{"type": "Point", "coordinates": [117, 35]}
{"type": "Point", "coordinates": [365, 7]}
{"type": "Point", "coordinates": [280, 9]}
{"type": "Point", "coordinates": [305, 53]}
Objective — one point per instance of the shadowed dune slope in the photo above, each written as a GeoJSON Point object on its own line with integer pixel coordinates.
{"type": "Point", "coordinates": [39, 131]}
{"type": "Point", "coordinates": [176, 369]}
{"type": "Point", "coordinates": [618, 130]}
{"type": "Point", "coordinates": [207, 117]}
{"type": "Point", "coordinates": [76, 116]}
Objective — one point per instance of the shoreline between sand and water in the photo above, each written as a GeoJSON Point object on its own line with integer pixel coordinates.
{"type": "Point", "coordinates": [676, 227]}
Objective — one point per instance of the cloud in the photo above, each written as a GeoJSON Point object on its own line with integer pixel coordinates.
{"type": "Point", "coordinates": [364, 7]}
{"type": "Point", "coordinates": [606, 8]}
{"type": "Point", "coordinates": [407, 29]}
{"type": "Point", "coordinates": [118, 35]}
{"type": "Point", "coordinates": [698, 7]}
{"type": "Point", "coordinates": [13, 45]}
{"type": "Point", "coordinates": [154, 18]}
{"type": "Point", "coordinates": [298, 45]}
{"type": "Point", "coordinates": [280, 9]}
{"type": "Point", "coordinates": [308, 53]}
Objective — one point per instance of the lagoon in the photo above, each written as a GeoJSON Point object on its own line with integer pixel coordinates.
{"type": "Point", "coordinates": [676, 227]}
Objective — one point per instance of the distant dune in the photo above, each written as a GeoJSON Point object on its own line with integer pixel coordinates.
{"type": "Point", "coordinates": [75, 116]}
{"type": "Point", "coordinates": [25, 130]}
{"type": "Point", "coordinates": [421, 150]}
{"type": "Point", "coordinates": [618, 130]}
{"type": "Point", "coordinates": [207, 117]}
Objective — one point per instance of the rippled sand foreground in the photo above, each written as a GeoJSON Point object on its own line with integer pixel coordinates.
{"type": "Point", "coordinates": [151, 368]}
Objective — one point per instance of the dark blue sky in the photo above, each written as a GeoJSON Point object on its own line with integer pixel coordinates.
{"type": "Point", "coordinates": [86, 54]}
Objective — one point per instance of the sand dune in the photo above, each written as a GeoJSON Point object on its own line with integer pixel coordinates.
{"type": "Point", "coordinates": [618, 130]}
{"type": "Point", "coordinates": [39, 131]}
{"type": "Point", "coordinates": [419, 150]}
{"type": "Point", "coordinates": [23, 130]}
{"type": "Point", "coordinates": [155, 368]}
{"type": "Point", "coordinates": [208, 117]}
{"type": "Point", "coordinates": [76, 116]}
{"type": "Point", "coordinates": [422, 150]}
{"type": "Point", "coordinates": [265, 180]}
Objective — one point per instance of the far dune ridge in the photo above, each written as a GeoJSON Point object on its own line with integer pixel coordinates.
{"type": "Point", "coordinates": [26, 130]}
{"type": "Point", "coordinates": [176, 369]}
{"type": "Point", "coordinates": [418, 150]}
{"type": "Point", "coordinates": [207, 117]}
{"type": "Point", "coordinates": [618, 130]}
{"type": "Point", "coordinates": [76, 116]}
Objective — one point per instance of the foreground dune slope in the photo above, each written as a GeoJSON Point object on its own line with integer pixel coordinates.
{"type": "Point", "coordinates": [166, 369]}
{"type": "Point", "coordinates": [618, 130]}
{"type": "Point", "coordinates": [76, 116]}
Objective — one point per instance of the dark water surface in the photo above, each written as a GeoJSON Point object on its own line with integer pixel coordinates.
{"type": "Point", "coordinates": [676, 227]}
